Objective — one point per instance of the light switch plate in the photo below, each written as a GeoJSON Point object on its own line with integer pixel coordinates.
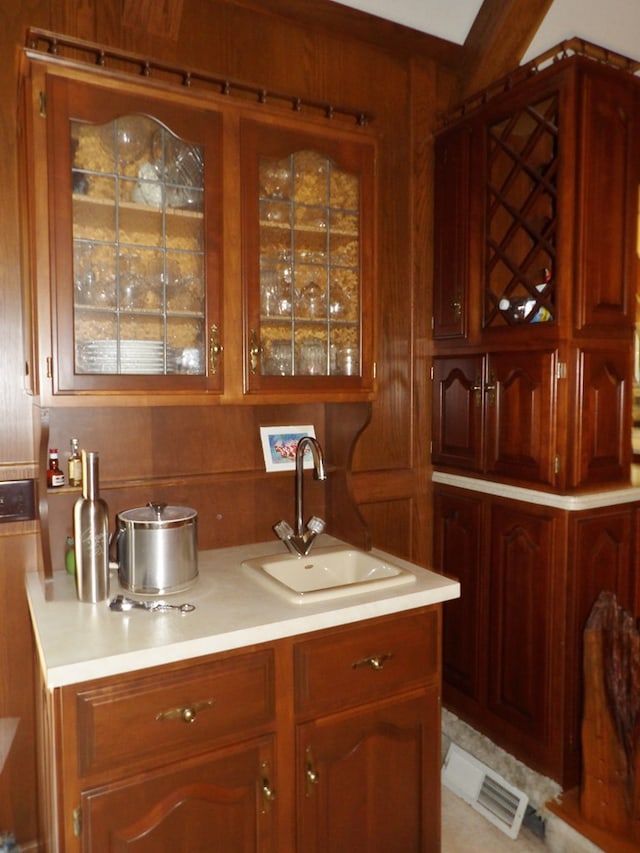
{"type": "Point", "coordinates": [17, 500]}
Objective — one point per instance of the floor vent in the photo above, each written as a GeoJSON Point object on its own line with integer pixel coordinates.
{"type": "Point", "coordinates": [486, 791]}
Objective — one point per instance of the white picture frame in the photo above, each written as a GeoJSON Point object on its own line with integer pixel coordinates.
{"type": "Point", "coordinates": [279, 445]}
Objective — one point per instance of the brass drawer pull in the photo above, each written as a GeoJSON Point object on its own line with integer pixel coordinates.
{"type": "Point", "coordinates": [188, 714]}
{"type": "Point", "coordinates": [376, 662]}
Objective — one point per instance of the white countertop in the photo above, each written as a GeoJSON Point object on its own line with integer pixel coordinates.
{"type": "Point", "coordinates": [78, 641]}
{"type": "Point", "coordinates": [571, 502]}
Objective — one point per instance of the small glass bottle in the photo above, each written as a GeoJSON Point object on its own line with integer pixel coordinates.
{"type": "Point", "coordinates": [91, 535]}
{"type": "Point", "coordinates": [55, 477]}
{"type": "Point", "coordinates": [75, 464]}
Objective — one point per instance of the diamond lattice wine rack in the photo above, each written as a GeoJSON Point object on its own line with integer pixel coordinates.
{"type": "Point", "coordinates": [521, 195]}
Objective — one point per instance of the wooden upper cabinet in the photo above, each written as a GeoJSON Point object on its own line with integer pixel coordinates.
{"type": "Point", "coordinates": [458, 412]}
{"type": "Point", "coordinates": [136, 282]}
{"type": "Point", "coordinates": [535, 253]}
{"type": "Point", "coordinates": [536, 208]}
{"type": "Point", "coordinates": [495, 415]}
{"type": "Point", "coordinates": [308, 202]}
{"type": "Point", "coordinates": [606, 258]}
{"type": "Point", "coordinates": [521, 416]}
{"type": "Point", "coordinates": [452, 198]}
{"type": "Point", "coordinates": [601, 451]}
{"type": "Point", "coordinates": [178, 245]}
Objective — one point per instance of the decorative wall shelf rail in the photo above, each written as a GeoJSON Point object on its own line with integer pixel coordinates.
{"type": "Point", "coordinates": [91, 53]}
{"type": "Point", "coordinates": [564, 50]}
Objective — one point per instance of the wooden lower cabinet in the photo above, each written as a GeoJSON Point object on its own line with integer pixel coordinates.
{"type": "Point", "coordinates": [367, 779]}
{"type": "Point", "coordinates": [204, 804]}
{"type": "Point", "coordinates": [368, 710]}
{"type": "Point", "coordinates": [512, 643]}
{"type": "Point", "coordinates": [325, 742]}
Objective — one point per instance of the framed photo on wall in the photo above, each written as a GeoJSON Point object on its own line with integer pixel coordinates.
{"type": "Point", "coordinates": [279, 444]}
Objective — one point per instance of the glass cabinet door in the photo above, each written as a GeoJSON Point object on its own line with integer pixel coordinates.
{"type": "Point", "coordinates": [138, 249]}
{"type": "Point", "coordinates": [305, 267]}
{"type": "Point", "coordinates": [142, 299]}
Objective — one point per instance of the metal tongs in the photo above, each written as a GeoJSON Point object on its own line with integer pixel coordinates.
{"type": "Point", "coordinates": [122, 603]}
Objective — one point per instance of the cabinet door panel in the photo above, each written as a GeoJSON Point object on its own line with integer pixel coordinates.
{"type": "Point", "coordinates": [457, 533]}
{"type": "Point", "coordinates": [520, 402]}
{"type": "Point", "coordinates": [457, 412]}
{"type": "Point", "coordinates": [136, 284]}
{"type": "Point", "coordinates": [607, 204]}
{"type": "Point", "coordinates": [196, 807]}
{"type": "Point", "coordinates": [366, 779]}
{"type": "Point", "coordinates": [451, 236]}
{"type": "Point", "coordinates": [307, 207]}
{"type": "Point", "coordinates": [602, 451]}
{"type": "Point", "coordinates": [521, 608]}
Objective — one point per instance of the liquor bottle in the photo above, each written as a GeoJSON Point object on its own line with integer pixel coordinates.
{"type": "Point", "coordinates": [75, 464]}
{"type": "Point", "coordinates": [55, 477]}
{"type": "Point", "coordinates": [91, 535]}
{"type": "Point", "coordinates": [527, 308]}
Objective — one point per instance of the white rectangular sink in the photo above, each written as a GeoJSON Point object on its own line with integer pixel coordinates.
{"type": "Point", "coordinates": [327, 573]}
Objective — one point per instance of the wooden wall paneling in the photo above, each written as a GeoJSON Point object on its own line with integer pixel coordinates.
{"type": "Point", "coordinates": [345, 424]}
{"type": "Point", "coordinates": [75, 17]}
{"type": "Point", "coordinates": [208, 458]}
{"type": "Point", "coordinates": [390, 522]}
{"type": "Point", "coordinates": [15, 423]}
{"type": "Point", "coordinates": [324, 51]}
{"type": "Point", "coordinates": [18, 543]}
{"type": "Point", "coordinates": [17, 779]}
{"type": "Point", "coordinates": [160, 19]}
{"type": "Point", "coordinates": [335, 18]}
{"type": "Point", "coordinates": [423, 82]}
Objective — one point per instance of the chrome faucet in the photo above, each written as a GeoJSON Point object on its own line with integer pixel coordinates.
{"type": "Point", "coordinates": [300, 541]}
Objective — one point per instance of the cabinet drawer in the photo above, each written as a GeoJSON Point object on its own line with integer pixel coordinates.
{"type": "Point", "coordinates": [146, 720]}
{"type": "Point", "coordinates": [364, 662]}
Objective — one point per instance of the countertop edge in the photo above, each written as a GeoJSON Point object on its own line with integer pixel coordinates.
{"type": "Point", "coordinates": [289, 620]}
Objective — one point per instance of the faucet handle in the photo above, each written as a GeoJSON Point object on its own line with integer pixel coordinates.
{"type": "Point", "coordinates": [283, 530]}
{"type": "Point", "coordinates": [316, 525]}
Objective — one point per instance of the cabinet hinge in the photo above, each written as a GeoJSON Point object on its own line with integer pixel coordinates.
{"type": "Point", "coordinates": [77, 821]}
{"type": "Point", "coordinates": [561, 370]}
{"type": "Point", "coordinates": [556, 465]}
{"type": "Point", "coordinates": [43, 104]}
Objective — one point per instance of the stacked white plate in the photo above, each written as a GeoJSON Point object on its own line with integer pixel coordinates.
{"type": "Point", "coordinates": [135, 357]}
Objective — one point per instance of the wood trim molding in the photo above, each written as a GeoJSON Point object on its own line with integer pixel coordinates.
{"type": "Point", "coordinates": [498, 39]}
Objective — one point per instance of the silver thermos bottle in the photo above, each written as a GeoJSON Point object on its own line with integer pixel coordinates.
{"type": "Point", "coordinates": [91, 532]}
